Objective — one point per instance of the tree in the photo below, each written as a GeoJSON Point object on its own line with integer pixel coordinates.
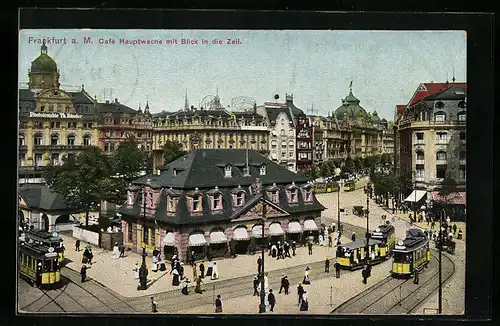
{"type": "Point", "coordinates": [349, 166]}
{"type": "Point", "coordinates": [324, 170]}
{"type": "Point", "coordinates": [447, 186]}
{"type": "Point", "coordinates": [358, 164]}
{"type": "Point", "coordinates": [83, 181]}
{"type": "Point", "coordinates": [128, 160]}
{"type": "Point", "coordinates": [315, 172]}
{"type": "Point", "coordinates": [172, 150]}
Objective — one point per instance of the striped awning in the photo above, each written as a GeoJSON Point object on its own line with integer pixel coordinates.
{"type": "Point", "coordinates": [294, 227]}
{"type": "Point", "coordinates": [257, 231]}
{"type": "Point", "coordinates": [197, 239]}
{"type": "Point", "coordinates": [240, 233]}
{"type": "Point", "coordinates": [415, 196]}
{"type": "Point", "coordinates": [310, 225]}
{"type": "Point", "coordinates": [455, 198]}
{"type": "Point", "coordinates": [217, 237]}
{"type": "Point", "coordinates": [276, 229]}
{"type": "Point", "coordinates": [169, 239]}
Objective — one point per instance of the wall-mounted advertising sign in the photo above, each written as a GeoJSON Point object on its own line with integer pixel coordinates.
{"type": "Point", "coordinates": [56, 115]}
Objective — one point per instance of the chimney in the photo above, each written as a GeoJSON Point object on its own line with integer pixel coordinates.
{"type": "Point", "coordinates": [116, 100]}
{"type": "Point", "coordinates": [289, 98]}
{"type": "Point", "coordinates": [107, 102]}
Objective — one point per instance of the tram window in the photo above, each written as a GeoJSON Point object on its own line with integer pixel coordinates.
{"type": "Point", "coordinates": [25, 260]}
{"type": "Point", "coordinates": [47, 266]}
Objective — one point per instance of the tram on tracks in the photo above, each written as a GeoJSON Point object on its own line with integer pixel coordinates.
{"type": "Point", "coordinates": [410, 255]}
{"type": "Point", "coordinates": [39, 265]}
{"type": "Point", "coordinates": [381, 242]}
{"type": "Point", "coordinates": [47, 239]}
{"type": "Point", "coordinates": [349, 186]}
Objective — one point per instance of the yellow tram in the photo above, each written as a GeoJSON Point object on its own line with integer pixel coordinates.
{"type": "Point", "coordinates": [349, 186]}
{"type": "Point", "coordinates": [47, 239]}
{"type": "Point", "coordinates": [39, 264]}
{"type": "Point", "coordinates": [380, 245]}
{"type": "Point", "coordinates": [412, 254]}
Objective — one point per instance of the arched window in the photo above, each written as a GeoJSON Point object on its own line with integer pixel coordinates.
{"type": "Point", "coordinates": [54, 139]}
{"type": "Point", "coordinates": [462, 116]}
{"type": "Point", "coordinates": [282, 132]}
{"type": "Point", "coordinates": [420, 155]}
{"type": "Point", "coordinates": [441, 156]}
{"type": "Point", "coordinates": [71, 140]}
{"type": "Point", "coordinates": [440, 116]}
{"type": "Point", "coordinates": [21, 140]}
{"type": "Point", "coordinates": [87, 140]}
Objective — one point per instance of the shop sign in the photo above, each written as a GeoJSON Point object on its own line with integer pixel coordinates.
{"type": "Point", "coordinates": [56, 115]}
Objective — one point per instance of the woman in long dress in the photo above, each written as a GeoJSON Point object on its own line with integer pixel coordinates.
{"type": "Point", "coordinates": [210, 268]}
{"type": "Point", "coordinates": [154, 261]}
{"type": "Point", "coordinates": [198, 285]}
{"type": "Point", "coordinates": [306, 276]}
{"type": "Point", "coordinates": [215, 273]}
{"type": "Point", "coordinates": [304, 304]}
{"type": "Point", "coordinates": [185, 283]}
{"type": "Point", "coordinates": [175, 279]}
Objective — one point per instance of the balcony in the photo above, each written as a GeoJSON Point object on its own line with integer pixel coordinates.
{"type": "Point", "coordinates": [441, 141]}
{"type": "Point", "coordinates": [441, 162]}
{"type": "Point", "coordinates": [422, 124]}
{"type": "Point", "coordinates": [59, 147]}
{"type": "Point", "coordinates": [420, 162]}
{"type": "Point", "coordinates": [419, 142]}
{"type": "Point", "coordinates": [23, 148]}
{"type": "Point", "coordinates": [419, 178]}
{"type": "Point", "coordinates": [463, 162]}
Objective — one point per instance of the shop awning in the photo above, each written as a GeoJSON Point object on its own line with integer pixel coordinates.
{"type": "Point", "coordinates": [197, 239]}
{"type": "Point", "coordinates": [275, 229]}
{"type": "Point", "coordinates": [169, 239]}
{"type": "Point", "coordinates": [294, 227]}
{"type": "Point", "coordinates": [455, 198]}
{"type": "Point", "coordinates": [257, 231]}
{"type": "Point", "coordinates": [240, 233]}
{"type": "Point", "coordinates": [310, 225]}
{"type": "Point", "coordinates": [416, 195]}
{"type": "Point", "coordinates": [217, 237]}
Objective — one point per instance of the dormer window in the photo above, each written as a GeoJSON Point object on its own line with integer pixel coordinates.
{"type": "Point", "coordinates": [217, 202]}
{"type": "Point", "coordinates": [174, 171]}
{"type": "Point", "coordinates": [228, 171]}
{"type": "Point", "coordinates": [239, 199]}
{"type": "Point", "coordinates": [263, 170]}
{"type": "Point", "coordinates": [246, 171]}
{"type": "Point", "coordinates": [150, 200]}
{"type": "Point", "coordinates": [293, 195]}
{"type": "Point", "coordinates": [274, 196]}
{"type": "Point", "coordinates": [307, 193]}
{"type": "Point", "coordinates": [196, 204]}
{"type": "Point", "coordinates": [172, 204]}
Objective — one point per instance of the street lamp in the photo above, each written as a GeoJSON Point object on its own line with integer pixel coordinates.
{"type": "Point", "coordinates": [338, 209]}
{"type": "Point", "coordinates": [440, 291]}
{"type": "Point", "coordinates": [415, 192]}
{"type": "Point", "coordinates": [367, 228]}
{"type": "Point", "coordinates": [143, 271]}
{"type": "Point", "coordinates": [262, 306]}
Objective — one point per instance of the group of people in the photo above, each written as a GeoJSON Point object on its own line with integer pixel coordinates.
{"type": "Point", "coordinates": [118, 251]}
{"type": "Point", "coordinates": [281, 250]}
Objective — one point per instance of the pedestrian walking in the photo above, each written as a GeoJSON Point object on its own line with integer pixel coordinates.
{"type": "Point", "coordinates": [337, 269]}
{"type": "Point", "coordinates": [173, 263]}
{"type": "Point", "coordinates": [364, 274]}
{"type": "Point", "coordinates": [300, 292]}
{"type": "Point", "coordinates": [306, 276]}
{"type": "Point", "coordinates": [286, 248]}
{"type": "Point", "coordinates": [218, 304]}
{"type": "Point", "coordinates": [77, 245]}
{"type": "Point", "coordinates": [286, 285]}
{"type": "Point", "coordinates": [195, 271]}
{"type": "Point", "coordinates": [259, 265]}
{"type": "Point", "coordinates": [122, 251]}
{"type": "Point", "coordinates": [83, 273]}
{"type": "Point", "coordinates": [274, 251]}
{"type": "Point", "coordinates": [294, 246]}
{"type": "Point", "coordinates": [210, 268]}
{"type": "Point", "coordinates": [198, 285]}
{"type": "Point", "coordinates": [116, 251]}
{"type": "Point", "coordinates": [282, 286]}
{"type": "Point", "coordinates": [154, 263]}
{"type": "Point", "coordinates": [185, 283]}
{"type": "Point", "coordinates": [255, 285]}
{"type": "Point", "coordinates": [175, 277]}
{"type": "Point", "coordinates": [271, 299]}
{"type": "Point", "coordinates": [136, 270]}
{"type": "Point", "coordinates": [310, 247]}
{"type": "Point", "coordinates": [353, 236]}
{"type": "Point", "coordinates": [280, 251]}
{"type": "Point", "coordinates": [411, 218]}
{"type": "Point", "coordinates": [454, 229]}
{"type": "Point", "coordinates": [460, 235]}
{"type": "Point", "coordinates": [153, 305]}
{"type": "Point", "coordinates": [327, 265]}
{"type": "Point", "coordinates": [269, 248]}
{"type": "Point", "coordinates": [415, 278]}
{"type": "Point", "coordinates": [304, 305]}
{"type": "Point", "coordinates": [202, 269]}
{"type": "Point", "coordinates": [433, 224]}
{"type": "Point", "coordinates": [193, 259]}
{"type": "Point", "coordinates": [181, 270]}
{"type": "Point", "coordinates": [215, 273]}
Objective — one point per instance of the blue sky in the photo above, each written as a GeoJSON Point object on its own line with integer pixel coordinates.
{"type": "Point", "coordinates": [315, 66]}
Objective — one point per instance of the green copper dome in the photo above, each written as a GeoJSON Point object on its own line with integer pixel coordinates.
{"type": "Point", "coordinates": [350, 109]}
{"type": "Point", "coordinates": [375, 118]}
{"type": "Point", "coordinates": [43, 63]}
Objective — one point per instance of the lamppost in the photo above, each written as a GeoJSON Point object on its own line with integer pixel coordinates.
{"type": "Point", "coordinates": [143, 271]}
{"type": "Point", "coordinates": [262, 306]}
{"type": "Point", "coordinates": [415, 192]}
{"type": "Point", "coordinates": [338, 209]}
{"type": "Point", "coordinates": [367, 228]}
{"type": "Point", "coordinates": [440, 289]}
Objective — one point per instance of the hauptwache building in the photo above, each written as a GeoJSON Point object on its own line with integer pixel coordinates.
{"type": "Point", "coordinates": [52, 122]}
{"type": "Point", "coordinates": [210, 201]}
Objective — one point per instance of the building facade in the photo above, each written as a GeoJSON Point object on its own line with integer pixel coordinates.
{"type": "Point", "coordinates": [305, 149]}
{"type": "Point", "coordinates": [432, 135]}
{"type": "Point", "coordinates": [211, 202]}
{"type": "Point", "coordinates": [117, 122]}
{"type": "Point", "coordinates": [216, 127]}
{"type": "Point", "coordinates": [336, 140]}
{"type": "Point", "coordinates": [53, 123]}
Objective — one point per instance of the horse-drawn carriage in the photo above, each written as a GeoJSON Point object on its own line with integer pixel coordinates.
{"type": "Point", "coordinates": [358, 210]}
{"type": "Point", "coordinates": [448, 245]}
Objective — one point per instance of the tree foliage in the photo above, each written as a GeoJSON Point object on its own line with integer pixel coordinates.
{"type": "Point", "coordinates": [172, 150]}
{"type": "Point", "coordinates": [128, 160]}
{"type": "Point", "coordinates": [83, 181]}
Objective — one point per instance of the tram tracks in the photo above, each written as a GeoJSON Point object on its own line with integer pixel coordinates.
{"type": "Point", "coordinates": [383, 297]}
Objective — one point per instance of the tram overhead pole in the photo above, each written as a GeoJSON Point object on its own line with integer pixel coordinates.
{"type": "Point", "coordinates": [262, 305]}
{"type": "Point", "coordinates": [367, 227]}
{"type": "Point", "coordinates": [440, 289]}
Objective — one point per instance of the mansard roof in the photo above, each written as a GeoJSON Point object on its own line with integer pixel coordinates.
{"type": "Point", "coordinates": [83, 101]}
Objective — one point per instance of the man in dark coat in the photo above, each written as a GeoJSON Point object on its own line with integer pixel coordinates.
{"type": "Point", "coordinates": [218, 304]}
{"type": "Point", "coordinates": [83, 273]}
{"type": "Point", "coordinates": [327, 265]}
{"type": "Point", "coordinates": [193, 259]}
{"type": "Point", "coordinates": [271, 299]}
{"type": "Point", "coordinates": [310, 246]}
{"type": "Point", "coordinates": [202, 269]}
{"type": "Point", "coordinates": [122, 251]}
{"type": "Point", "coordinates": [454, 229]}
{"type": "Point", "coordinates": [286, 248]}
{"type": "Point", "coordinates": [283, 277]}
{"type": "Point", "coordinates": [300, 292]}
{"type": "Point", "coordinates": [77, 245]}
{"type": "Point", "coordinates": [255, 285]}
{"type": "Point", "coordinates": [353, 237]}
{"type": "Point", "coordinates": [269, 246]}
{"type": "Point", "coordinates": [286, 284]}
{"type": "Point", "coordinates": [181, 270]}
{"type": "Point", "coordinates": [364, 273]}
{"type": "Point", "coordinates": [337, 269]}
{"type": "Point", "coordinates": [280, 251]}
{"type": "Point", "coordinates": [259, 265]}
{"type": "Point", "coordinates": [415, 279]}
{"type": "Point", "coordinates": [294, 246]}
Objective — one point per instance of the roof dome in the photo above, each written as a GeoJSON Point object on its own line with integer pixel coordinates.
{"type": "Point", "coordinates": [43, 63]}
{"type": "Point", "coordinates": [350, 109]}
{"type": "Point", "coordinates": [375, 118]}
